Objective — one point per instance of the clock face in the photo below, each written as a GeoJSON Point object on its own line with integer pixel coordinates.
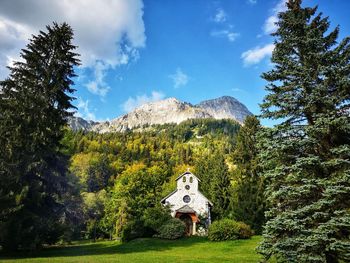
{"type": "Point", "coordinates": [187, 199]}
{"type": "Point", "coordinates": [187, 187]}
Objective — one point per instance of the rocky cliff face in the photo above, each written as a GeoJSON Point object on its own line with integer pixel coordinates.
{"type": "Point", "coordinates": [170, 110]}
{"type": "Point", "coordinates": [165, 111]}
{"type": "Point", "coordinates": [77, 123]}
{"type": "Point", "coordinates": [225, 107]}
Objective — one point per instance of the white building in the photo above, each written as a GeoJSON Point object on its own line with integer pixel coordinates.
{"type": "Point", "coordinates": [188, 203]}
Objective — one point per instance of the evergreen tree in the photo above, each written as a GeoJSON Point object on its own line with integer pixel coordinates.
{"type": "Point", "coordinates": [248, 204]}
{"type": "Point", "coordinates": [203, 171]}
{"type": "Point", "coordinates": [215, 182]}
{"type": "Point", "coordinates": [307, 156]}
{"type": "Point", "coordinates": [33, 110]}
{"type": "Point", "coordinates": [220, 187]}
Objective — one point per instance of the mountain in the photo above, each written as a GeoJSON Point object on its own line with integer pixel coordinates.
{"type": "Point", "coordinates": [170, 110]}
{"type": "Point", "coordinates": [225, 107]}
{"type": "Point", "coordinates": [77, 123]}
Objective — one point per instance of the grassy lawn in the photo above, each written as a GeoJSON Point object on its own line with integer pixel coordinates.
{"type": "Point", "coordinates": [193, 249]}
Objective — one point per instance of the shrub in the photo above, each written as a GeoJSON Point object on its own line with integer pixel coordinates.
{"type": "Point", "coordinates": [201, 231]}
{"type": "Point", "coordinates": [244, 230]}
{"type": "Point", "coordinates": [172, 229]}
{"type": "Point", "coordinates": [155, 217]}
{"type": "Point", "coordinates": [132, 230]}
{"type": "Point", "coordinates": [228, 229]}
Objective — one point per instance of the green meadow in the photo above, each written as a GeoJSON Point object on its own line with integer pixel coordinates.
{"type": "Point", "coordinates": [194, 249]}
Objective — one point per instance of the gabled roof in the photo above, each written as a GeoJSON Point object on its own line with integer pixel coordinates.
{"type": "Point", "coordinates": [185, 209]}
{"type": "Point", "coordinates": [173, 192]}
{"type": "Point", "coordinates": [211, 204]}
{"type": "Point", "coordinates": [187, 172]}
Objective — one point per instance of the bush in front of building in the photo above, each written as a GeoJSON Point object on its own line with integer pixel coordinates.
{"type": "Point", "coordinates": [174, 228]}
{"type": "Point", "coordinates": [244, 230]}
{"type": "Point", "coordinates": [201, 231]}
{"type": "Point", "coordinates": [154, 217]}
{"type": "Point", "coordinates": [228, 229]}
{"type": "Point", "coordinates": [132, 230]}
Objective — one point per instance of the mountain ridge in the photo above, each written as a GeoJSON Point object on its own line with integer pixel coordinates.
{"type": "Point", "coordinates": [170, 110]}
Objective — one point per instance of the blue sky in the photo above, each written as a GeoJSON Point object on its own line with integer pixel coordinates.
{"type": "Point", "coordinates": [137, 51]}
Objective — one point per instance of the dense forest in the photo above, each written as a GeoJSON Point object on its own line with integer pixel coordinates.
{"type": "Point", "coordinates": [118, 176]}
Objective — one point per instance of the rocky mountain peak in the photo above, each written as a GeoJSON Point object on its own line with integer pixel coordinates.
{"type": "Point", "coordinates": [225, 107]}
{"type": "Point", "coordinates": [161, 104]}
{"type": "Point", "coordinates": [170, 110]}
{"type": "Point", "coordinates": [78, 123]}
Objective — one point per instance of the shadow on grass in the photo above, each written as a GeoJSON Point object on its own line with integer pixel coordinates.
{"type": "Point", "coordinates": [108, 247]}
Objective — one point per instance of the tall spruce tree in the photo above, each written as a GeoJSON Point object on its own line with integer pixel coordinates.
{"type": "Point", "coordinates": [307, 156]}
{"type": "Point", "coordinates": [33, 110]}
{"type": "Point", "coordinates": [215, 182]}
{"type": "Point", "coordinates": [220, 187]}
{"type": "Point", "coordinates": [248, 202]}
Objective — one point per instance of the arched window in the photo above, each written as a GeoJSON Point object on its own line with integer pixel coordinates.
{"type": "Point", "coordinates": [191, 179]}
{"type": "Point", "coordinates": [184, 179]}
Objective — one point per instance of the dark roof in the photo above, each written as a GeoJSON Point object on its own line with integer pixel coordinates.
{"type": "Point", "coordinates": [187, 172]}
{"type": "Point", "coordinates": [185, 209]}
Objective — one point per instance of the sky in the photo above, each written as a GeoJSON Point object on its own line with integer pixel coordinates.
{"type": "Point", "coordinates": [135, 51]}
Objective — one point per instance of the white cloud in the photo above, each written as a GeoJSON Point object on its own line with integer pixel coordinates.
{"type": "Point", "coordinates": [252, 2]}
{"type": "Point", "coordinates": [105, 31]}
{"type": "Point", "coordinates": [220, 16]}
{"type": "Point", "coordinates": [236, 89]}
{"type": "Point", "coordinates": [225, 29]}
{"type": "Point", "coordinates": [98, 86]}
{"type": "Point", "coordinates": [84, 110]}
{"type": "Point", "coordinates": [255, 55]}
{"type": "Point", "coordinates": [230, 35]}
{"type": "Point", "coordinates": [133, 103]}
{"type": "Point", "coordinates": [270, 23]}
{"type": "Point", "coordinates": [179, 78]}
{"type": "Point", "coordinates": [12, 39]}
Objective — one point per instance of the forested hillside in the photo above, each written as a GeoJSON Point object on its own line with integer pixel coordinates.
{"type": "Point", "coordinates": [118, 176]}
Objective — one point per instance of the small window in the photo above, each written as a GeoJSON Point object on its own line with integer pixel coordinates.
{"type": "Point", "coordinates": [191, 179]}
{"type": "Point", "coordinates": [187, 187]}
{"type": "Point", "coordinates": [184, 179]}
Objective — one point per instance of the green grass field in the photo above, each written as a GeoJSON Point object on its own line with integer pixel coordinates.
{"type": "Point", "coordinates": [145, 250]}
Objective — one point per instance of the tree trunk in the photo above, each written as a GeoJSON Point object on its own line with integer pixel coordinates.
{"type": "Point", "coordinates": [331, 258]}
